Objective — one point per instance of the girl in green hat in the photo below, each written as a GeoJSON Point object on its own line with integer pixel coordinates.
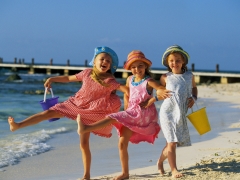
{"type": "Point", "coordinates": [174, 109]}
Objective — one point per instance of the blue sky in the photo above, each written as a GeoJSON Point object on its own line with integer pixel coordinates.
{"type": "Point", "coordinates": [209, 30]}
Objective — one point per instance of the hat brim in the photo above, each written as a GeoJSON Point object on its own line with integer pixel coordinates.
{"type": "Point", "coordinates": [128, 63]}
{"type": "Point", "coordinates": [104, 49]}
{"type": "Point", "coordinates": [166, 54]}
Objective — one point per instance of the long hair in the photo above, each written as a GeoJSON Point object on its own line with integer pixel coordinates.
{"type": "Point", "coordinates": [147, 71]}
{"type": "Point", "coordinates": [100, 77]}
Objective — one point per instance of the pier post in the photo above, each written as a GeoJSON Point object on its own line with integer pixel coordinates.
{"type": "Point", "coordinates": [31, 70]}
{"type": "Point", "coordinates": [125, 75]}
{"type": "Point", "coordinates": [224, 80]}
{"type": "Point", "coordinates": [197, 79]}
{"type": "Point", "coordinates": [1, 60]}
{"type": "Point", "coordinates": [217, 68]}
{"type": "Point", "coordinates": [192, 67]}
{"type": "Point", "coordinates": [86, 63]}
{"type": "Point", "coordinates": [48, 71]}
{"type": "Point", "coordinates": [51, 61]}
{"type": "Point", "coordinates": [15, 60]}
{"type": "Point", "coordinates": [68, 62]}
{"type": "Point", "coordinates": [32, 61]}
{"type": "Point", "coordinates": [66, 72]}
{"type": "Point", "coordinates": [19, 61]}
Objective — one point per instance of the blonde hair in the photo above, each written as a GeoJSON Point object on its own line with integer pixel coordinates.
{"type": "Point", "coordinates": [184, 66]}
{"type": "Point", "coordinates": [100, 77]}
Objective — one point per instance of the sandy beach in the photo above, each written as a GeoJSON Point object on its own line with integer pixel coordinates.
{"type": "Point", "coordinates": [215, 156]}
{"type": "Point", "coordinates": [218, 158]}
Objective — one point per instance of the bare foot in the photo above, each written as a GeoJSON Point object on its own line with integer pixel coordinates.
{"type": "Point", "coordinates": [83, 178]}
{"type": "Point", "coordinates": [160, 167]}
{"type": "Point", "coordinates": [122, 177]}
{"type": "Point", "coordinates": [12, 124]}
{"type": "Point", "coordinates": [176, 174]}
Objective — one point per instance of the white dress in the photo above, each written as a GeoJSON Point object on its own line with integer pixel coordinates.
{"type": "Point", "coordinates": [174, 109]}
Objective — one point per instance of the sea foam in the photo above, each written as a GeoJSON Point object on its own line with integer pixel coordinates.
{"type": "Point", "coordinates": [25, 145]}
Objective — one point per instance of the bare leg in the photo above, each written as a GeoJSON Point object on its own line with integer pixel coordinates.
{"type": "Point", "coordinates": [123, 153]}
{"type": "Point", "coordinates": [34, 119]}
{"type": "Point", "coordinates": [172, 160]}
{"type": "Point", "coordinates": [82, 128]}
{"type": "Point", "coordinates": [162, 158]}
{"type": "Point", "coordinates": [79, 124]}
{"type": "Point", "coordinates": [86, 155]}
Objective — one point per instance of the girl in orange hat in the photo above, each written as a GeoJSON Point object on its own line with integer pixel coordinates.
{"type": "Point", "coordinates": [139, 121]}
{"type": "Point", "coordinates": [174, 109]}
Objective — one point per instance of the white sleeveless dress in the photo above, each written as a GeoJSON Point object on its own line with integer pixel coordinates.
{"type": "Point", "coordinates": [174, 109]}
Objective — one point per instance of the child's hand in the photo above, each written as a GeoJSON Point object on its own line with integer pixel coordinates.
{"type": "Point", "coordinates": [190, 102]}
{"type": "Point", "coordinates": [47, 83]}
{"type": "Point", "coordinates": [147, 103]}
{"type": "Point", "coordinates": [163, 93]}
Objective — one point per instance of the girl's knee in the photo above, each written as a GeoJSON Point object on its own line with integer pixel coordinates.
{"type": "Point", "coordinates": [122, 144]}
{"type": "Point", "coordinates": [171, 146]}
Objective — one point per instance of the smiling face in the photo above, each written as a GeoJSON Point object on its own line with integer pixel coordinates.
{"type": "Point", "coordinates": [138, 69]}
{"type": "Point", "coordinates": [103, 62]}
{"type": "Point", "coordinates": [175, 62]}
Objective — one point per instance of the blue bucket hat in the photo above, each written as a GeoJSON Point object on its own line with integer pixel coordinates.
{"type": "Point", "coordinates": [104, 49]}
{"type": "Point", "coordinates": [174, 48]}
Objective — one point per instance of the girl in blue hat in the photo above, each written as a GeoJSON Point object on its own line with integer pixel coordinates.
{"type": "Point", "coordinates": [174, 109]}
{"type": "Point", "coordinates": [94, 100]}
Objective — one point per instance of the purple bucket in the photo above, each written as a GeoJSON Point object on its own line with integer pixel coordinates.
{"type": "Point", "coordinates": [47, 103]}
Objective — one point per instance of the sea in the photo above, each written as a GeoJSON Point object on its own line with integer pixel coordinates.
{"type": "Point", "coordinates": [21, 99]}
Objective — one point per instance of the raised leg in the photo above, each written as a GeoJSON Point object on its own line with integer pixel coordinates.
{"type": "Point", "coordinates": [32, 120]}
{"type": "Point", "coordinates": [82, 128]}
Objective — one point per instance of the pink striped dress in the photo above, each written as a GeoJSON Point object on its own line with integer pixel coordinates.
{"type": "Point", "coordinates": [142, 121]}
{"type": "Point", "coordinates": [93, 102]}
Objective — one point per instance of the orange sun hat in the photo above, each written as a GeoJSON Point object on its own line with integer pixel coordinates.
{"type": "Point", "coordinates": [136, 55]}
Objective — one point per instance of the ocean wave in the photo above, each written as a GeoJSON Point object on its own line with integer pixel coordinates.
{"type": "Point", "coordinates": [25, 145]}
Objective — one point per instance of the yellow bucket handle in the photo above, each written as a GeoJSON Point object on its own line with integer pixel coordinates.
{"type": "Point", "coordinates": [195, 102]}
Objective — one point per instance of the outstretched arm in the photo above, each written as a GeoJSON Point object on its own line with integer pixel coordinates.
{"type": "Point", "coordinates": [61, 79]}
{"type": "Point", "coordinates": [162, 93]}
{"type": "Point", "coordinates": [124, 89]}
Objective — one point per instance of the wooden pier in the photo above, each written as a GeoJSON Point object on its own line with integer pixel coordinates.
{"type": "Point", "coordinates": [200, 77]}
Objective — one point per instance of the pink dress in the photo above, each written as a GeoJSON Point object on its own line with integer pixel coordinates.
{"type": "Point", "coordinates": [93, 102]}
{"type": "Point", "coordinates": [142, 121]}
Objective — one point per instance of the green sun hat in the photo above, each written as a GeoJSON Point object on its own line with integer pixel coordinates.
{"type": "Point", "coordinates": [174, 48]}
